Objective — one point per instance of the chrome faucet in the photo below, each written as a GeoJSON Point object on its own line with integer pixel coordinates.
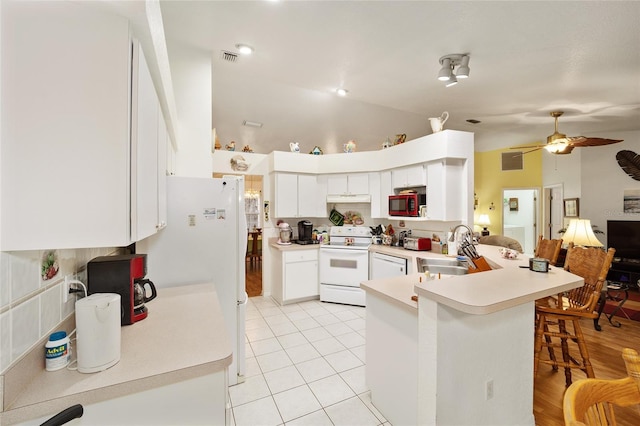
{"type": "Point", "coordinates": [453, 233]}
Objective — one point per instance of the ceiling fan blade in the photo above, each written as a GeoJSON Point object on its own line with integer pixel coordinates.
{"type": "Point", "coordinates": [531, 150]}
{"type": "Point", "coordinates": [525, 147]}
{"type": "Point", "coordinates": [580, 141]}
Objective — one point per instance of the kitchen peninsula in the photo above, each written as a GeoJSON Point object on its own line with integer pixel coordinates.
{"type": "Point", "coordinates": [172, 370]}
{"type": "Point", "coordinates": [464, 350]}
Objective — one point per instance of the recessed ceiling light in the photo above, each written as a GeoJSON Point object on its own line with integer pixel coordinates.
{"type": "Point", "coordinates": [244, 49]}
{"type": "Point", "coordinates": [342, 92]}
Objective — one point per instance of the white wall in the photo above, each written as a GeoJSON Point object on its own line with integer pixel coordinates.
{"type": "Point", "coordinates": [603, 182]}
{"type": "Point", "coordinates": [191, 74]}
{"type": "Point", "coordinates": [593, 175]}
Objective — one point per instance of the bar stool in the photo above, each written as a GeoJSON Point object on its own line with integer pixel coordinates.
{"type": "Point", "coordinates": [548, 249]}
{"type": "Point", "coordinates": [592, 264]}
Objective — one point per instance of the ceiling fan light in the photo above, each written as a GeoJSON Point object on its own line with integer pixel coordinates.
{"type": "Point", "coordinates": [445, 71]}
{"type": "Point", "coordinates": [556, 147]}
{"type": "Point", "coordinates": [463, 69]}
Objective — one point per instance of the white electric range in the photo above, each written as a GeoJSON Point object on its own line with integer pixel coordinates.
{"type": "Point", "coordinates": [344, 264]}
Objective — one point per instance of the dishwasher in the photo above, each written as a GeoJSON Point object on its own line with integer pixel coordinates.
{"type": "Point", "coordinates": [385, 266]}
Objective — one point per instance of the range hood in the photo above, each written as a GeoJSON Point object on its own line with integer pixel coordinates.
{"type": "Point", "coordinates": [349, 198]}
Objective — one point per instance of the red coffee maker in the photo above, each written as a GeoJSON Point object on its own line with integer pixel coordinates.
{"type": "Point", "coordinates": [124, 275]}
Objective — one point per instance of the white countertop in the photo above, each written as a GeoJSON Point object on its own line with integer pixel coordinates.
{"type": "Point", "coordinates": [273, 242]}
{"type": "Point", "coordinates": [182, 338]}
{"type": "Point", "coordinates": [505, 286]}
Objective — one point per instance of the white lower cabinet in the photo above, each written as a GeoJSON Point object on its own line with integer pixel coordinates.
{"type": "Point", "coordinates": [199, 401]}
{"type": "Point", "coordinates": [296, 276]}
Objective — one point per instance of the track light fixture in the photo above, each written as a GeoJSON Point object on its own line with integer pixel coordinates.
{"type": "Point", "coordinates": [448, 72]}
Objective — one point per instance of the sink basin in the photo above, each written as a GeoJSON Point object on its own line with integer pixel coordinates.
{"type": "Point", "coordinates": [442, 266]}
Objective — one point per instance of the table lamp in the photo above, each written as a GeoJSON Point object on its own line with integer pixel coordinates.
{"type": "Point", "coordinates": [484, 221]}
{"type": "Point", "coordinates": [580, 233]}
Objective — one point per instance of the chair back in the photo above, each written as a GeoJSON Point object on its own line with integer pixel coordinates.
{"type": "Point", "coordinates": [592, 264]}
{"type": "Point", "coordinates": [548, 249]}
{"type": "Point", "coordinates": [590, 401]}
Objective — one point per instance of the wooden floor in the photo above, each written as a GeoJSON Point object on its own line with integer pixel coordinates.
{"type": "Point", "coordinates": [253, 277]}
{"type": "Point", "coordinates": [605, 348]}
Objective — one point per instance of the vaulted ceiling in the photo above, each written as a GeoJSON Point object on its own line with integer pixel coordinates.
{"type": "Point", "coordinates": [528, 58]}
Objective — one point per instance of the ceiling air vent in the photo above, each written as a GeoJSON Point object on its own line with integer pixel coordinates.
{"type": "Point", "coordinates": [229, 56]}
{"type": "Point", "coordinates": [512, 161]}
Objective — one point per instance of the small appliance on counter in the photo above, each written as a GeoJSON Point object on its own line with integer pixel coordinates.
{"type": "Point", "coordinates": [305, 233]}
{"type": "Point", "coordinates": [124, 275]}
{"type": "Point", "coordinates": [98, 332]}
{"type": "Point", "coordinates": [284, 237]}
{"type": "Point", "coordinates": [420, 244]}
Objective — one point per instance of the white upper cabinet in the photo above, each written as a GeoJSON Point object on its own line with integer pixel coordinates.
{"type": "Point", "coordinates": [351, 184]}
{"type": "Point", "coordinates": [411, 176]}
{"type": "Point", "coordinates": [298, 196]}
{"type": "Point", "coordinates": [66, 134]}
{"type": "Point", "coordinates": [144, 150]}
{"type": "Point", "coordinates": [446, 194]}
{"type": "Point", "coordinates": [380, 186]}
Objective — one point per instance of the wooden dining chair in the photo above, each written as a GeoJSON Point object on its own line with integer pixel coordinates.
{"type": "Point", "coordinates": [591, 401]}
{"type": "Point", "coordinates": [548, 249]}
{"type": "Point", "coordinates": [592, 264]}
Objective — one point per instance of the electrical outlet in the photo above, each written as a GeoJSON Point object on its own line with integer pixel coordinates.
{"type": "Point", "coordinates": [65, 289]}
{"type": "Point", "coordinates": [488, 390]}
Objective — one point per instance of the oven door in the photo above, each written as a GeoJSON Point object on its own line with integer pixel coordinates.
{"type": "Point", "coordinates": [347, 267]}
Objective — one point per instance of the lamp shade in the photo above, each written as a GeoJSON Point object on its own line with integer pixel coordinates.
{"type": "Point", "coordinates": [580, 233]}
{"type": "Point", "coordinates": [483, 220]}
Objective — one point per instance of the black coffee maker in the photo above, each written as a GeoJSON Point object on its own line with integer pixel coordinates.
{"type": "Point", "coordinates": [305, 230]}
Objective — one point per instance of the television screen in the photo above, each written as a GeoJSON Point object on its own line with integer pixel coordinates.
{"type": "Point", "coordinates": [624, 236]}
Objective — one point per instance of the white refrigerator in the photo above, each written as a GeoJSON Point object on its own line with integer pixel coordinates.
{"type": "Point", "coordinates": [205, 240]}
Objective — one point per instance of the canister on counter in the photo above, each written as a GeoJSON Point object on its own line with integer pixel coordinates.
{"type": "Point", "coordinates": [57, 352]}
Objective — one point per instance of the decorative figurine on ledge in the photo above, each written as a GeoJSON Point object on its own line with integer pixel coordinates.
{"type": "Point", "coordinates": [247, 148]}
{"type": "Point", "coordinates": [231, 146]}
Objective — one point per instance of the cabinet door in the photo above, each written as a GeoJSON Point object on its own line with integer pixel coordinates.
{"type": "Point", "coordinates": [286, 190]}
{"type": "Point", "coordinates": [65, 126]}
{"type": "Point", "coordinates": [301, 274]}
{"type": "Point", "coordinates": [337, 185]}
{"type": "Point", "coordinates": [308, 199]}
{"type": "Point", "coordinates": [380, 187]}
{"type": "Point", "coordinates": [359, 183]}
{"type": "Point", "coordinates": [416, 175]}
{"type": "Point", "coordinates": [444, 194]}
{"type": "Point", "coordinates": [409, 176]}
{"type": "Point", "coordinates": [163, 146]}
{"type": "Point", "coordinates": [144, 150]}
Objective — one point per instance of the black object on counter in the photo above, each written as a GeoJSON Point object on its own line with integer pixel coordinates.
{"type": "Point", "coordinates": [65, 416]}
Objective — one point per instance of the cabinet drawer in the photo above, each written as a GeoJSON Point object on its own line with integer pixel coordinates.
{"type": "Point", "coordinates": [300, 256]}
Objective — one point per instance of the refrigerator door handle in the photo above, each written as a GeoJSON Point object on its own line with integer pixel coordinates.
{"type": "Point", "coordinates": [245, 301]}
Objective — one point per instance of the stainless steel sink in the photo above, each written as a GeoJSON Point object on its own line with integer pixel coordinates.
{"type": "Point", "coordinates": [442, 266]}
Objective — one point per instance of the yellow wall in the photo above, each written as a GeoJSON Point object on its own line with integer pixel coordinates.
{"type": "Point", "coordinates": [490, 180]}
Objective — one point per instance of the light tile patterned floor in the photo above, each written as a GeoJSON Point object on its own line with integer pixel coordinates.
{"type": "Point", "coordinates": [305, 366]}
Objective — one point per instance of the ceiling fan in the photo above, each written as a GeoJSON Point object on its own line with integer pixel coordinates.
{"type": "Point", "coordinates": [559, 143]}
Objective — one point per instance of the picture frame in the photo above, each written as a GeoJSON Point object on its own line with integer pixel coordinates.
{"type": "Point", "coordinates": [513, 204]}
{"type": "Point", "coordinates": [571, 207]}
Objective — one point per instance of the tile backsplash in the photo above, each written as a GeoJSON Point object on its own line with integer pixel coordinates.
{"type": "Point", "coordinates": [31, 304]}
